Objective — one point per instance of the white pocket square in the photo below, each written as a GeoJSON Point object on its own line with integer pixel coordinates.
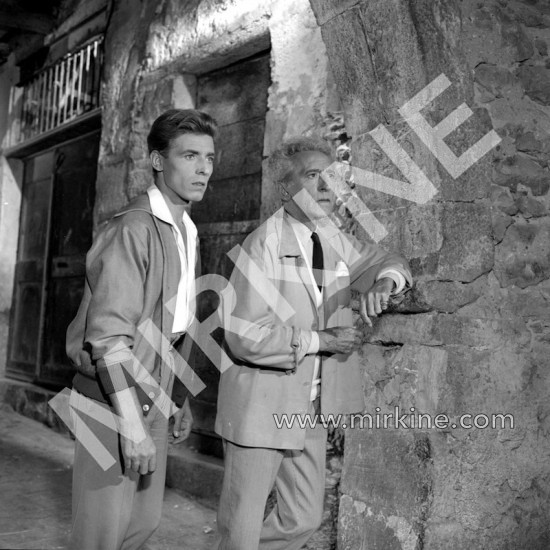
{"type": "Point", "coordinates": [341, 269]}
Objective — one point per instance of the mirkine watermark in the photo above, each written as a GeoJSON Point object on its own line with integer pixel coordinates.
{"type": "Point", "coordinates": [397, 420]}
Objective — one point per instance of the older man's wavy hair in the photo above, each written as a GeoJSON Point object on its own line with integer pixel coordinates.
{"type": "Point", "coordinates": [279, 163]}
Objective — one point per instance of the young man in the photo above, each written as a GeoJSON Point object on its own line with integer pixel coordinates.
{"type": "Point", "coordinates": [292, 335]}
{"type": "Point", "coordinates": [138, 303]}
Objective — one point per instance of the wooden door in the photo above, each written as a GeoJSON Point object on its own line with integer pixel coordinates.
{"type": "Point", "coordinates": [55, 234]}
{"type": "Point", "coordinates": [31, 267]}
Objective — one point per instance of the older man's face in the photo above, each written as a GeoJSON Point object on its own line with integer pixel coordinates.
{"type": "Point", "coordinates": [306, 175]}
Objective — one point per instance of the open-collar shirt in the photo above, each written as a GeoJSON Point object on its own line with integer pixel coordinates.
{"type": "Point", "coordinates": [184, 307]}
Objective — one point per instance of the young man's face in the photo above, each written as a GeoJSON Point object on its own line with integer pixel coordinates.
{"type": "Point", "coordinates": [187, 166]}
{"type": "Point", "coordinates": [306, 174]}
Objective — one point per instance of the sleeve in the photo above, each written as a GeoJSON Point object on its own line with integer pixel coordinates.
{"type": "Point", "coordinates": [396, 277]}
{"type": "Point", "coordinates": [116, 275]}
{"type": "Point", "coordinates": [369, 262]}
{"type": "Point", "coordinates": [259, 323]}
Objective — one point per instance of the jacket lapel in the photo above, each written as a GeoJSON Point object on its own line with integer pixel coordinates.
{"type": "Point", "coordinates": [289, 247]}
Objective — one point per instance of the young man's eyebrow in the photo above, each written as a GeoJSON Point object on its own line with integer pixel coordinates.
{"type": "Point", "coordinates": [195, 152]}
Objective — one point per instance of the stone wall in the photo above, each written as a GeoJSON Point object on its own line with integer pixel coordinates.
{"type": "Point", "coordinates": [473, 336]}
{"type": "Point", "coordinates": [10, 200]}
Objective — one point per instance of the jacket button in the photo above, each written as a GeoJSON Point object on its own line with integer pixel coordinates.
{"type": "Point", "coordinates": [151, 395]}
{"type": "Point", "coordinates": [146, 408]}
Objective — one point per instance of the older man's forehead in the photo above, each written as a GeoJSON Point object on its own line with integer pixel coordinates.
{"type": "Point", "coordinates": [311, 160]}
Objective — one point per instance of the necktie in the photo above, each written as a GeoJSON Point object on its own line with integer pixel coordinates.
{"type": "Point", "coordinates": [317, 263]}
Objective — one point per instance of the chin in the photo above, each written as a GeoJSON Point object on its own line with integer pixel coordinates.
{"type": "Point", "coordinates": [328, 209]}
{"type": "Point", "coordinates": [194, 197]}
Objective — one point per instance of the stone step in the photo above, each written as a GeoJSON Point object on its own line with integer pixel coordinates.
{"type": "Point", "coordinates": [188, 471]}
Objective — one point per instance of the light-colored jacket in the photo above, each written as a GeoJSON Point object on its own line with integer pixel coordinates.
{"type": "Point", "coordinates": [272, 372]}
{"type": "Point", "coordinates": [132, 274]}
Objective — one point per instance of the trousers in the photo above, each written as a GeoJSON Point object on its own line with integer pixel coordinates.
{"type": "Point", "coordinates": [113, 509]}
{"type": "Point", "coordinates": [299, 480]}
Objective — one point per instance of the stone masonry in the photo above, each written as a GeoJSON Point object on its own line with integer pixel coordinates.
{"type": "Point", "coordinates": [473, 335]}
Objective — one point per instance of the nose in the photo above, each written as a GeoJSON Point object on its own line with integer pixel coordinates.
{"type": "Point", "coordinates": [321, 184]}
{"type": "Point", "coordinates": [204, 166]}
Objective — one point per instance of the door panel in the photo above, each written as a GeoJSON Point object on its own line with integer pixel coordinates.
{"type": "Point", "coordinates": [30, 271]}
{"type": "Point", "coordinates": [55, 234]}
{"type": "Point", "coordinates": [71, 237]}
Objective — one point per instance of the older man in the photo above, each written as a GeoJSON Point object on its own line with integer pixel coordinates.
{"type": "Point", "coordinates": [289, 327]}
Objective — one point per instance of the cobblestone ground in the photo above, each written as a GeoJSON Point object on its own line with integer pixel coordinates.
{"type": "Point", "coordinates": [35, 494]}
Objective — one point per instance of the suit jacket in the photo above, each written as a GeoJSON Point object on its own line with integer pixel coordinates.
{"type": "Point", "coordinates": [269, 321]}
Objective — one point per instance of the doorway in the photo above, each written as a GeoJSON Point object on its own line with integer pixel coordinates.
{"type": "Point", "coordinates": [55, 234]}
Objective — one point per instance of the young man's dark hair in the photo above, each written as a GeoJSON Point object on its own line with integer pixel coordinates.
{"type": "Point", "coordinates": [175, 122]}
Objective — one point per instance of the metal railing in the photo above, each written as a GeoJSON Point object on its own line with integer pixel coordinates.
{"type": "Point", "coordinates": [57, 94]}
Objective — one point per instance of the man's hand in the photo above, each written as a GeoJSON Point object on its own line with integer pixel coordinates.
{"type": "Point", "coordinates": [183, 422]}
{"type": "Point", "coordinates": [375, 300]}
{"type": "Point", "coordinates": [138, 449]}
{"type": "Point", "coordinates": [339, 339]}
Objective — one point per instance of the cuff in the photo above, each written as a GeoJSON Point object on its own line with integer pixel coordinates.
{"type": "Point", "coordinates": [301, 343]}
{"type": "Point", "coordinates": [115, 377]}
{"type": "Point", "coordinates": [396, 277]}
{"type": "Point", "coordinates": [314, 344]}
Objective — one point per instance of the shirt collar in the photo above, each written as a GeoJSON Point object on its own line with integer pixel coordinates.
{"type": "Point", "coordinates": [159, 207]}
{"type": "Point", "coordinates": [292, 230]}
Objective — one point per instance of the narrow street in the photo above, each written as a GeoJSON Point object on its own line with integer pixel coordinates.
{"type": "Point", "coordinates": [35, 494]}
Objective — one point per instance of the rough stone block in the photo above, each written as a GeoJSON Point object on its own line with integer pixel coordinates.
{"type": "Point", "coordinates": [351, 64]}
{"type": "Point", "coordinates": [484, 381]}
{"type": "Point", "coordinates": [541, 46]}
{"type": "Point", "coordinates": [502, 199]}
{"type": "Point", "coordinates": [490, 35]}
{"type": "Point", "coordinates": [448, 296]}
{"type": "Point", "coordinates": [530, 144]}
{"type": "Point", "coordinates": [361, 528]}
{"type": "Point", "coordinates": [404, 329]}
{"type": "Point", "coordinates": [479, 333]}
{"type": "Point", "coordinates": [413, 376]}
{"type": "Point", "coordinates": [536, 81]}
{"type": "Point", "coordinates": [467, 251]}
{"type": "Point", "coordinates": [369, 158]}
{"type": "Point", "coordinates": [522, 170]}
{"type": "Point", "coordinates": [532, 13]}
{"type": "Point", "coordinates": [325, 10]}
{"type": "Point", "coordinates": [386, 488]}
{"type": "Point", "coordinates": [500, 222]}
{"type": "Point", "coordinates": [414, 231]}
{"type": "Point", "coordinates": [530, 207]}
{"type": "Point", "coordinates": [523, 257]}
{"type": "Point", "coordinates": [497, 80]}
{"type": "Point", "coordinates": [110, 189]}
{"type": "Point", "coordinates": [156, 97]}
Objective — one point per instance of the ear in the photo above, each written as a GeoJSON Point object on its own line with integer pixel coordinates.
{"type": "Point", "coordinates": [283, 192]}
{"type": "Point", "coordinates": [156, 161]}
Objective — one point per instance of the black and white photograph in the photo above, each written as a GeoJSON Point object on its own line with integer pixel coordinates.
{"type": "Point", "coordinates": [274, 275]}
